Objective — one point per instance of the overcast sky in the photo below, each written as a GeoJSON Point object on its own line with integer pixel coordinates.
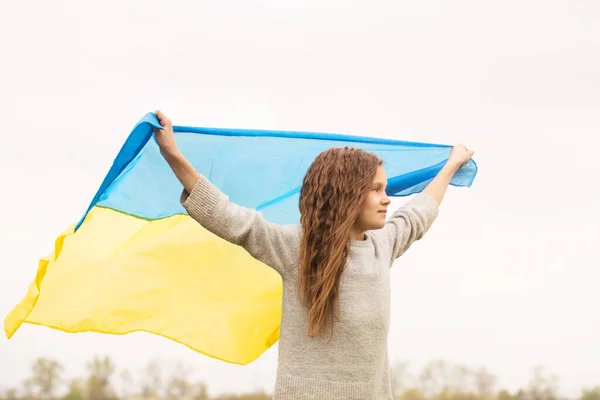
{"type": "Point", "coordinates": [507, 277]}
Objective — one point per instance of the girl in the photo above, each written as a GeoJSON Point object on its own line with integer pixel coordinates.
{"type": "Point", "coordinates": [334, 265]}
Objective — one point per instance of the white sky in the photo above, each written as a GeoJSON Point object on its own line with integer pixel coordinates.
{"type": "Point", "coordinates": [508, 275]}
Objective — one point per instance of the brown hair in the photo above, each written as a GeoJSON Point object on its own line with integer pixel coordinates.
{"type": "Point", "coordinates": [333, 192]}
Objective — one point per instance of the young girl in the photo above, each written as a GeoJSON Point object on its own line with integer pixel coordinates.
{"type": "Point", "coordinates": [334, 265]}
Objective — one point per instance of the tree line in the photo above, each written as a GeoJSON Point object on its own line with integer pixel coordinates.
{"type": "Point", "coordinates": [101, 380]}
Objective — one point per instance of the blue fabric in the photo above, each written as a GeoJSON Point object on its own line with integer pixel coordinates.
{"type": "Point", "coordinates": [256, 168]}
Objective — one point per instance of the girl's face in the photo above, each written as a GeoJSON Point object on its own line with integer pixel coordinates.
{"type": "Point", "coordinates": [374, 212]}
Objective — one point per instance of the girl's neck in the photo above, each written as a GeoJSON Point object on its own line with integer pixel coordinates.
{"type": "Point", "coordinates": [357, 235]}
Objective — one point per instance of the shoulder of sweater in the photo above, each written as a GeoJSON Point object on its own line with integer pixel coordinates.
{"type": "Point", "coordinates": [294, 230]}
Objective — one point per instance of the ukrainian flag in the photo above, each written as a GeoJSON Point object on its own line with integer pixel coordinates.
{"type": "Point", "coordinates": [137, 262]}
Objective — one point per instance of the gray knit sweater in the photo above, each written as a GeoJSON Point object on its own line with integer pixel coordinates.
{"type": "Point", "coordinates": [353, 363]}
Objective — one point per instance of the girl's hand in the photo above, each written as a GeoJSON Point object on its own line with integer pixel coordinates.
{"type": "Point", "coordinates": [459, 156]}
{"type": "Point", "coordinates": [165, 137]}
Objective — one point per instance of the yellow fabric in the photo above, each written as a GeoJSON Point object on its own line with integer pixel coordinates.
{"type": "Point", "coordinates": [119, 274]}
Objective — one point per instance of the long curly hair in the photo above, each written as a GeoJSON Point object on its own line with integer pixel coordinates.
{"type": "Point", "coordinates": [333, 192]}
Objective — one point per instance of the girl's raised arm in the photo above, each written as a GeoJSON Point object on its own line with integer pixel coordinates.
{"type": "Point", "coordinates": [272, 244]}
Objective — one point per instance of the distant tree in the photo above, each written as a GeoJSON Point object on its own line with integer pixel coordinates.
{"type": "Point", "coordinates": [245, 396]}
{"type": "Point", "coordinates": [442, 381]}
{"type": "Point", "coordinates": [593, 394]}
{"type": "Point", "coordinates": [100, 372]}
{"type": "Point", "coordinates": [521, 395]}
{"type": "Point", "coordinates": [151, 379]}
{"type": "Point", "coordinates": [460, 379]}
{"type": "Point", "coordinates": [505, 395]}
{"type": "Point", "coordinates": [77, 390]}
{"type": "Point", "coordinates": [401, 378]}
{"type": "Point", "coordinates": [411, 394]}
{"type": "Point", "coordinates": [542, 387]}
{"type": "Point", "coordinates": [434, 378]}
{"type": "Point", "coordinates": [484, 383]}
{"type": "Point", "coordinates": [127, 384]}
{"type": "Point", "coordinates": [45, 380]}
{"type": "Point", "coordinates": [200, 392]}
{"type": "Point", "coordinates": [178, 385]}
{"type": "Point", "coordinates": [10, 394]}
{"type": "Point", "coordinates": [28, 390]}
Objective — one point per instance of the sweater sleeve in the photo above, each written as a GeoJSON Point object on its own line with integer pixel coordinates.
{"type": "Point", "coordinates": [409, 223]}
{"type": "Point", "coordinates": [267, 242]}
